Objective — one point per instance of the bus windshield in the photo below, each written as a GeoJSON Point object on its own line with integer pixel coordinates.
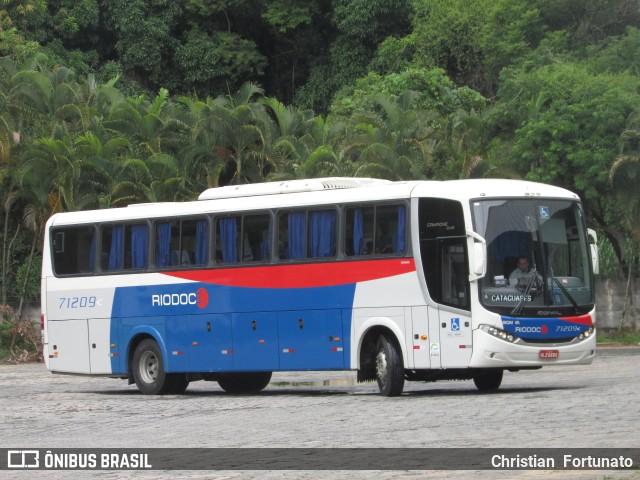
{"type": "Point", "coordinates": [538, 257]}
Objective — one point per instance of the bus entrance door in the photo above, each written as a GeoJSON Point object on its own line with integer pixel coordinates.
{"type": "Point", "coordinates": [455, 339]}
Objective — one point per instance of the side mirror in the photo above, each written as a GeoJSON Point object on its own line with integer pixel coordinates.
{"type": "Point", "coordinates": [593, 245]}
{"type": "Point", "coordinates": [478, 257]}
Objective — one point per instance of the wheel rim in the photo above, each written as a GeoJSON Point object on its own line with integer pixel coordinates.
{"type": "Point", "coordinates": [149, 367]}
{"type": "Point", "coordinates": [381, 367]}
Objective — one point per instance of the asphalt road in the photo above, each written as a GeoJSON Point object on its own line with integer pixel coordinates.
{"type": "Point", "coordinates": [567, 407]}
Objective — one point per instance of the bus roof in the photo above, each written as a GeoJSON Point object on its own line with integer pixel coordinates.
{"type": "Point", "coordinates": [316, 192]}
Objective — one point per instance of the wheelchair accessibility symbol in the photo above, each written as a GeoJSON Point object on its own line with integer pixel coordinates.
{"type": "Point", "coordinates": [544, 213]}
{"type": "Point", "coordinates": [455, 324]}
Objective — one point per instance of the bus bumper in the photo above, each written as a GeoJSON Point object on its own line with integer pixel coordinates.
{"type": "Point", "coordinates": [491, 352]}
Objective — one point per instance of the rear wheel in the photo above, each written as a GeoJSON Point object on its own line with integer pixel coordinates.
{"type": "Point", "coordinates": [389, 367]}
{"type": "Point", "coordinates": [244, 382]}
{"type": "Point", "coordinates": [488, 380]}
{"type": "Point", "coordinates": [148, 368]}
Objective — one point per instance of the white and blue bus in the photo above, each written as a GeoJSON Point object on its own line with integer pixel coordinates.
{"type": "Point", "coordinates": [397, 280]}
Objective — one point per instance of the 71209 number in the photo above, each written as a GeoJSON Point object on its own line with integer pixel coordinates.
{"type": "Point", "coordinates": [78, 302]}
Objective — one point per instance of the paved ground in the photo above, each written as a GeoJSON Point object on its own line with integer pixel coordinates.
{"type": "Point", "coordinates": [570, 407]}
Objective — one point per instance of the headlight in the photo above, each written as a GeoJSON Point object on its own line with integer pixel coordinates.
{"type": "Point", "coordinates": [496, 332]}
{"type": "Point", "coordinates": [586, 334]}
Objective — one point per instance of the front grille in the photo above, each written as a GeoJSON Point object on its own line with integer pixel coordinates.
{"type": "Point", "coordinates": [547, 340]}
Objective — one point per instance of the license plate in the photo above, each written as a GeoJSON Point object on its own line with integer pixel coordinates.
{"type": "Point", "coordinates": [549, 353]}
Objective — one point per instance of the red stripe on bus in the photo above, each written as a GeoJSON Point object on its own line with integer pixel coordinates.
{"type": "Point", "coordinates": [301, 275]}
{"type": "Point", "coordinates": [581, 320]}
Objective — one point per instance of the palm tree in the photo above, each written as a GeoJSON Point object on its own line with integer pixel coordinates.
{"type": "Point", "coordinates": [396, 143]}
{"type": "Point", "coordinates": [241, 132]}
{"type": "Point", "coordinates": [156, 136]}
{"type": "Point", "coordinates": [203, 157]}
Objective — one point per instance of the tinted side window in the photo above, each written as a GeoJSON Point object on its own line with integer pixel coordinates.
{"type": "Point", "coordinates": [243, 238]}
{"type": "Point", "coordinates": [73, 250]}
{"type": "Point", "coordinates": [307, 234]}
{"type": "Point", "coordinates": [443, 249]}
{"type": "Point", "coordinates": [181, 242]}
{"type": "Point", "coordinates": [124, 247]}
{"type": "Point", "coordinates": [379, 230]}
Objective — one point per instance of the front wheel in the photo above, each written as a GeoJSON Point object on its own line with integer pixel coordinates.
{"type": "Point", "coordinates": [244, 382]}
{"type": "Point", "coordinates": [148, 368]}
{"type": "Point", "coordinates": [389, 367]}
{"type": "Point", "coordinates": [488, 380]}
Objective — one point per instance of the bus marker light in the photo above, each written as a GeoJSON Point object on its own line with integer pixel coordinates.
{"type": "Point", "coordinates": [336, 349]}
{"type": "Point", "coordinates": [337, 339]}
{"type": "Point", "coordinates": [423, 337]}
{"type": "Point", "coordinates": [195, 344]}
{"type": "Point", "coordinates": [113, 354]}
{"type": "Point", "coordinates": [176, 352]}
{"type": "Point", "coordinates": [113, 345]}
{"type": "Point", "coordinates": [227, 352]}
{"type": "Point", "coordinates": [288, 350]}
{"type": "Point", "coordinates": [261, 342]}
{"type": "Point", "coordinates": [417, 347]}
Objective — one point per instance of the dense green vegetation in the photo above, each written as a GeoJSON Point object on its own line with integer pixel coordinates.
{"type": "Point", "coordinates": [107, 103]}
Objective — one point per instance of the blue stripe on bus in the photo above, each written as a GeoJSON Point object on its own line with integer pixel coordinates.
{"type": "Point", "coordinates": [209, 328]}
{"type": "Point", "coordinates": [546, 328]}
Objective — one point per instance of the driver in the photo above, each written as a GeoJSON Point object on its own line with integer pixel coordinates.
{"type": "Point", "coordinates": [521, 271]}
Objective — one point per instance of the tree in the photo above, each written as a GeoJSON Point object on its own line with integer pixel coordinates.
{"type": "Point", "coordinates": [446, 35]}
{"type": "Point", "coordinates": [396, 142]}
{"type": "Point", "coordinates": [361, 26]}
{"type": "Point", "coordinates": [242, 137]}
{"type": "Point", "coordinates": [624, 176]}
{"type": "Point", "coordinates": [144, 40]}
{"type": "Point", "coordinates": [564, 121]}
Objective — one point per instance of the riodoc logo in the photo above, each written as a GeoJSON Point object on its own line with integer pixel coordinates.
{"type": "Point", "coordinates": [543, 330]}
{"type": "Point", "coordinates": [200, 298]}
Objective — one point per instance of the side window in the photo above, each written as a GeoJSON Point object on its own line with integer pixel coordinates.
{"type": "Point", "coordinates": [303, 234]}
{"type": "Point", "coordinates": [124, 247]}
{"type": "Point", "coordinates": [376, 230]}
{"type": "Point", "coordinates": [359, 227]}
{"type": "Point", "coordinates": [443, 248]}
{"type": "Point", "coordinates": [243, 238]}
{"type": "Point", "coordinates": [73, 250]}
{"type": "Point", "coordinates": [180, 243]}
{"type": "Point", "coordinates": [391, 229]}
{"type": "Point", "coordinates": [227, 238]}
{"type": "Point", "coordinates": [256, 234]}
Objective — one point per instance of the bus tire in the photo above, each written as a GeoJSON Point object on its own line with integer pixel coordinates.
{"type": "Point", "coordinates": [488, 380]}
{"type": "Point", "coordinates": [389, 367]}
{"type": "Point", "coordinates": [244, 382]}
{"type": "Point", "coordinates": [148, 368]}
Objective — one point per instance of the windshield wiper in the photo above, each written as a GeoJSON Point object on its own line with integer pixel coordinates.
{"type": "Point", "coordinates": [567, 294]}
{"type": "Point", "coordinates": [518, 308]}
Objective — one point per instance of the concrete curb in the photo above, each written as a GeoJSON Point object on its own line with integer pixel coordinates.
{"type": "Point", "coordinates": [617, 350]}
